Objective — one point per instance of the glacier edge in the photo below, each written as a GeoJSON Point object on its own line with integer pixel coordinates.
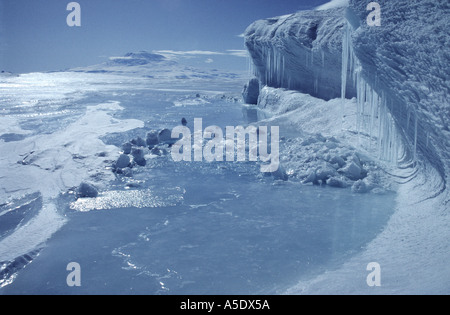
{"type": "Point", "coordinates": [398, 74]}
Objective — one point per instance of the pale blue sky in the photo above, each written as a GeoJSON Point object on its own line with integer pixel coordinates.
{"type": "Point", "coordinates": [35, 37]}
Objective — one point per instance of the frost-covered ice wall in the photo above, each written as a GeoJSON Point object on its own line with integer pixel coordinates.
{"type": "Point", "coordinates": [405, 62]}
{"type": "Point", "coordinates": [398, 72]}
{"type": "Point", "coordinates": [373, 115]}
{"type": "Point", "coordinates": [300, 52]}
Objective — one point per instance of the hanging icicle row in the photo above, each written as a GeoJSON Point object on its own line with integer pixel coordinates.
{"type": "Point", "coordinates": [371, 107]}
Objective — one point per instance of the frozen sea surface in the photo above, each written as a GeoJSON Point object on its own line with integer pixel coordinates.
{"type": "Point", "coordinates": [170, 228]}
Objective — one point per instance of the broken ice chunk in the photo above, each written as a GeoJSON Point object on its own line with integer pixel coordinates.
{"type": "Point", "coordinates": [139, 157]}
{"type": "Point", "coordinates": [86, 190]}
{"type": "Point", "coordinates": [152, 139]}
{"type": "Point", "coordinates": [138, 142]}
{"type": "Point", "coordinates": [352, 171]}
{"type": "Point", "coordinates": [359, 187]}
{"type": "Point", "coordinates": [338, 182]}
{"type": "Point", "coordinates": [165, 136]}
{"type": "Point", "coordinates": [126, 147]}
{"type": "Point", "coordinates": [123, 161]}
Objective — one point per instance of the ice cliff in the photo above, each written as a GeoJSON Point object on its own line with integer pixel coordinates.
{"type": "Point", "coordinates": [301, 51]}
{"type": "Point", "coordinates": [397, 75]}
{"type": "Point", "coordinates": [398, 72]}
{"type": "Point", "coordinates": [404, 65]}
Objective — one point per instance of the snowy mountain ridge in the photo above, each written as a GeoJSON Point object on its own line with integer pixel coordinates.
{"type": "Point", "coordinates": [333, 4]}
{"type": "Point", "coordinates": [137, 59]}
{"type": "Point", "coordinates": [155, 66]}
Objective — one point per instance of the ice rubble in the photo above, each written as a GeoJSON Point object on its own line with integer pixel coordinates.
{"type": "Point", "coordinates": [398, 73]}
{"type": "Point", "coordinates": [135, 152]}
{"type": "Point", "coordinates": [319, 149]}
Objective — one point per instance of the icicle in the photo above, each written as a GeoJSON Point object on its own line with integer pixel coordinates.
{"type": "Point", "coordinates": [345, 57]}
{"type": "Point", "coordinates": [380, 129]}
{"type": "Point", "coordinates": [396, 148]}
{"type": "Point", "coordinates": [275, 67]}
{"type": "Point", "coordinates": [407, 119]}
{"type": "Point", "coordinates": [269, 62]}
{"type": "Point", "coordinates": [415, 138]}
{"type": "Point", "coordinates": [373, 110]}
{"type": "Point", "coordinates": [316, 84]}
{"type": "Point", "coordinates": [323, 58]}
{"type": "Point", "coordinates": [279, 68]}
{"type": "Point", "coordinates": [251, 71]}
{"type": "Point", "coordinates": [372, 104]}
{"type": "Point", "coordinates": [358, 109]}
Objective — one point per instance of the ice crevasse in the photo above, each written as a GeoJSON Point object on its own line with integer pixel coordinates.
{"type": "Point", "coordinates": [399, 74]}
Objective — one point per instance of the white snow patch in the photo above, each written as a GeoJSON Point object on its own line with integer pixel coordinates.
{"type": "Point", "coordinates": [9, 125]}
{"type": "Point", "coordinates": [33, 234]}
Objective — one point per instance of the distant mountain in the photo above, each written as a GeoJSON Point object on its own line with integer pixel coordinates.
{"type": "Point", "coordinates": [154, 66]}
{"type": "Point", "coordinates": [138, 59]}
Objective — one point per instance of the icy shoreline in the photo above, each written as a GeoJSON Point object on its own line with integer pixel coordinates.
{"type": "Point", "coordinates": [53, 165]}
